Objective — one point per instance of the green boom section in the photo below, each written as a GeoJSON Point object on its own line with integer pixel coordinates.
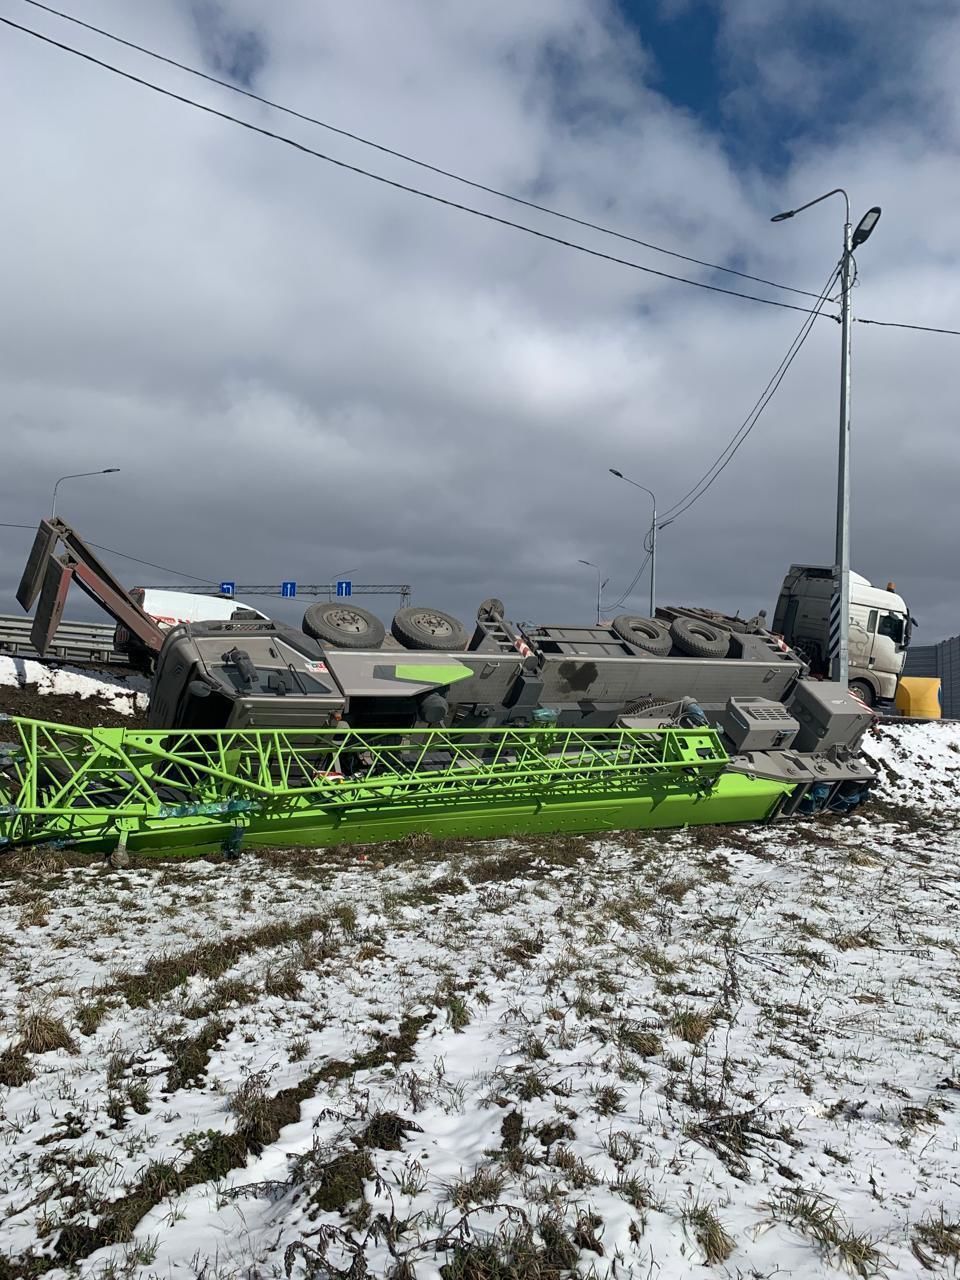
{"type": "Point", "coordinates": [197, 791]}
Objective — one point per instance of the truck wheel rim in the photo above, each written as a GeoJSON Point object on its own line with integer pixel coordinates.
{"type": "Point", "coordinates": [433, 623]}
{"type": "Point", "coordinates": [347, 620]}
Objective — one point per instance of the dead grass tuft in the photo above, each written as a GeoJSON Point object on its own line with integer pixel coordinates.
{"type": "Point", "coordinates": [676, 890]}
{"type": "Point", "coordinates": [484, 1186]}
{"type": "Point", "coordinates": [936, 1238]}
{"type": "Point", "coordinates": [251, 1109]}
{"type": "Point", "coordinates": [607, 1099]}
{"type": "Point", "coordinates": [40, 1033]}
{"type": "Point", "coordinates": [298, 1048]}
{"type": "Point", "coordinates": [387, 1131]}
{"type": "Point", "coordinates": [512, 865]}
{"type": "Point", "coordinates": [190, 1056]}
{"type": "Point", "coordinates": [520, 1252]}
{"type": "Point", "coordinates": [691, 1025]}
{"type": "Point", "coordinates": [819, 1219]}
{"type": "Point", "coordinates": [635, 1040]}
{"type": "Point", "coordinates": [227, 991]}
{"type": "Point", "coordinates": [283, 981]}
{"type": "Point", "coordinates": [88, 1014]}
{"type": "Point", "coordinates": [162, 974]}
{"type": "Point", "coordinates": [34, 915]}
{"type": "Point", "coordinates": [15, 1068]}
{"type": "Point", "coordinates": [704, 1225]}
{"type": "Point", "coordinates": [340, 1183]}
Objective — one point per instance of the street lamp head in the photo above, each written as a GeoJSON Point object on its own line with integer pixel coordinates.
{"type": "Point", "coordinates": [782, 217]}
{"type": "Point", "coordinates": [587, 562]}
{"type": "Point", "coordinates": [108, 471]}
{"type": "Point", "coordinates": [618, 474]}
{"type": "Point", "coordinates": [865, 226]}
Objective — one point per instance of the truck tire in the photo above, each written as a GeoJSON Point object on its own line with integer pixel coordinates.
{"type": "Point", "coordinates": [699, 639]}
{"type": "Point", "coordinates": [343, 626]}
{"type": "Point", "coordinates": [420, 628]}
{"type": "Point", "coordinates": [863, 691]}
{"type": "Point", "coordinates": [648, 634]}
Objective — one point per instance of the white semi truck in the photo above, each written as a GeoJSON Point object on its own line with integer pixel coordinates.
{"type": "Point", "coordinates": [880, 626]}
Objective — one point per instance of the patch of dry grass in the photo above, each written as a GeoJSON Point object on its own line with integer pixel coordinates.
{"type": "Point", "coordinates": [818, 1218]}
{"type": "Point", "coordinates": [704, 1225]}
{"type": "Point", "coordinates": [162, 974]}
{"type": "Point", "coordinates": [41, 1033]}
{"type": "Point", "coordinates": [936, 1241]}
{"type": "Point", "coordinates": [692, 1025]}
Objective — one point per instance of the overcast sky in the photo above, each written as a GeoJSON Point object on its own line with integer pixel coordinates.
{"type": "Point", "coordinates": [302, 372]}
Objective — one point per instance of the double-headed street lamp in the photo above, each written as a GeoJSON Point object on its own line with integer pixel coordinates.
{"type": "Point", "coordinates": [653, 538]}
{"type": "Point", "coordinates": [601, 583]}
{"type": "Point", "coordinates": [839, 632]}
{"type": "Point", "coordinates": [78, 475]}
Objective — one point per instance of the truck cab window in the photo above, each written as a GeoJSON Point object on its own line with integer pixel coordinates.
{"type": "Point", "coordinates": [891, 625]}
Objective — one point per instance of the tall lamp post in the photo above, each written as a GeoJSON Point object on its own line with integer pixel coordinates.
{"type": "Point", "coordinates": [78, 475]}
{"type": "Point", "coordinates": [839, 637]}
{"type": "Point", "coordinates": [600, 583]}
{"type": "Point", "coordinates": [653, 538]}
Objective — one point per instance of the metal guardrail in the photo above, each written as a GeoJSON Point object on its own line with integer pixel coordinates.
{"type": "Point", "coordinates": [73, 642]}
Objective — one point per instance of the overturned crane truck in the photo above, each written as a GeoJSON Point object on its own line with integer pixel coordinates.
{"type": "Point", "coordinates": [263, 735]}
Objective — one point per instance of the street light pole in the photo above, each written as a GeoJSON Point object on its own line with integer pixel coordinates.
{"type": "Point", "coordinates": [78, 475]}
{"type": "Point", "coordinates": [600, 584]}
{"type": "Point", "coordinates": [839, 632]}
{"type": "Point", "coordinates": [838, 644]}
{"type": "Point", "coordinates": [653, 538]}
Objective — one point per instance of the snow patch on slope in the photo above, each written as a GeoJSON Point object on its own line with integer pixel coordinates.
{"type": "Point", "coordinates": [919, 763]}
{"type": "Point", "coordinates": [124, 694]}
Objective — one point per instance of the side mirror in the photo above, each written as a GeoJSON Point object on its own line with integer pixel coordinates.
{"type": "Point", "coordinates": [199, 689]}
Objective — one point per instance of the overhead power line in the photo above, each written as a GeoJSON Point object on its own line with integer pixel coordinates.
{"type": "Point", "coordinates": [750, 421]}
{"type": "Point", "coordinates": [896, 324]}
{"type": "Point", "coordinates": [402, 155]}
{"type": "Point", "coordinates": [392, 182]}
{"type": "Point", "coordinates": [437, 199]}
{"type": "Point", "coordinates": [616, 604]}
{"type": "Point", "coordinates": [724, 459]}
{"type": "Point", "coordinates": [177, 573]}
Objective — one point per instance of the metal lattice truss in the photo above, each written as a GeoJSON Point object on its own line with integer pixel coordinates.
{"type": "Point", "coordinates": [197, 789]}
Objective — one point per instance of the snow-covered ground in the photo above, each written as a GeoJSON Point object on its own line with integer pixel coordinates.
{"type": "Point", "coordinates": [125, 694]}
{"type": "Point", "coordinates": [729, 1052]}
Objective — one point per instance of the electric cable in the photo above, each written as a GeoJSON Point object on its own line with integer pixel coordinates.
{"type": "Point", "coordinates": [402, 155]}
{"type": "Point", "coordinates": [426, 195]}
{"type": "Point", "coordinates": [123, 554]}
{"type": "Point", "coordinates": [392, 182]}
{"type": "Point", "coordinates": [750, 421]}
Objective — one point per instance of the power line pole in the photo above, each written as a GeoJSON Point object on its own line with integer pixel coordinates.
{"type": "Point", "coordinates": [840, 606]}
{"type": "Point", "coordinates": [838, 646]}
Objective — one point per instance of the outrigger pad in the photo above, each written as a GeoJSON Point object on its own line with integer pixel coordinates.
{"type": "Point", "coordinates": [53, 596]}
{"type": "Point", "coordinates": [33, 575]}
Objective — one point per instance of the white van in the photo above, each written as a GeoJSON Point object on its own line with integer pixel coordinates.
{"type": "Point", "coordinates": [880, 626]}
{"type": "Point", "coordinates": [168, 608]}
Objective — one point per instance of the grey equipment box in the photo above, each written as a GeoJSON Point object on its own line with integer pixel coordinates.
{"type": "Point", "coordinates": [758, 724]}
{"type": "Point", "coordinates": [829, 716]}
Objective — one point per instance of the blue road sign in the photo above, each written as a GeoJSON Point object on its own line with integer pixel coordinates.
{"type": "Point", "coordinates": [344, 587]}
{"type": "Point", "coordinates": [228, 588]}
{"type": "Point", "coordinates": [288, 590]}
